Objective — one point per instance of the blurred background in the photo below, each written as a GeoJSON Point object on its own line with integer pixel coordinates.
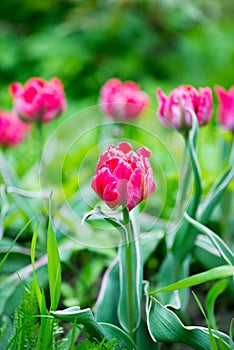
{"type": "Point", "coordinates": [84, 43]}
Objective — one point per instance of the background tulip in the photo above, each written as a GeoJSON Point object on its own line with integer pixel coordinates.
{"type": "Point", "coordinates": [12, 129]}
{"type": "Point", "coordinates": [226, 107]}
{"type": "Point", "coordinates": [174, 109]}
{"type": "Point", "coordinates": [123, 177]}
{"type": "Point", "coordinates": [38, 100]}
{"type": "Point", "coordinates": [122, 101]}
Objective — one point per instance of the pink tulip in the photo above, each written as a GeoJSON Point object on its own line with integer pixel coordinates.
{"type": "Point", "coordinates": [123, 177]}
{"type": "Point", "coordinates": [38, 100]}
{"type": "Point", "coordinates": [122, 101]}
{"type": "Point", "coordinates": [226, 107]}
{"type": "Point", "coordinates": [12, 129]}
{"type": "Point", "coordinates": [174, 109]}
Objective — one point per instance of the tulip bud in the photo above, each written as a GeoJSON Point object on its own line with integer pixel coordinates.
{"type": "Point", "coordinates": [226, 107]}
{"type": "Point", "coordinates": [12, 129]}
{"type": "Point", "coordinates": [122, 101]}
{"type": "Point", "coordinates": [173, 111]}
{"type": "Point", "coordinates": [38, 100]}
{"type": "Point", "coordinates": [123, 177]}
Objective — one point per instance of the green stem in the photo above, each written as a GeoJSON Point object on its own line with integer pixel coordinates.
{"type": "Point", "coordinates": [129, 266]}
{"type": "Point", "coordinates": [40, 138]}
{"type": "Point", "coordinates": [227, 197]}
{"type": "Point", "coordinates": [184, 181]}
{"type": "Point", "coordinates": [185, 235]}
{"type": "Point", "coordinates": [231, 157]}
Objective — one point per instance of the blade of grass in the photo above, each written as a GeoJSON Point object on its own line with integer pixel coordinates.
{"type": "Point", "coordinates": [213, 345]}
{"type": "Point", "coordinates": [219, 244]}
{"type": "Point", "coordinates": [54, 267]}
{"type": "Point", "coordinates": [231, 335]}
{"type": "Point", "coordinates": [210, 275]}
{"type": "Point", "coordinates": [35, 281]}
{"type": "Point", "coordinates": [212, 295]}
{"type": "Point", "coordinates": [13, 242]}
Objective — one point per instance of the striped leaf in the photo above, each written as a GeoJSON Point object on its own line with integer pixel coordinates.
{"type": "Point", "coordinates": [165, 326]}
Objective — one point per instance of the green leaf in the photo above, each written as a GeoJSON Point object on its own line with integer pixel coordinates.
{"type": "Point", "coordinates": [215, 194]}
{"type": "Point", "coordinates": [6, 331]}
{"type": "Point", "coordinates": [33, 249]}
{"type": "Point", "coordinates": [84, 317]}
{"type": "Point", "coordinates": [231, 335]}
{"type": "Point", "coordinates": [7, 289]}
{"type": "Point", "coordinates": [143, 337]}
{"type": "Point", "coordinates": [112, 220]}
{"type": "Point", "coordinates": [149, 242]}
{"type": "Point", "coordinates": [195, 165]}
{"type": "Point", "coordinates": [212, 295]}
{"type": "Point", "coordinates": [3, 209]}
{"type": "Point", "coordinates": [169, 271]}
{"type": "Point", "coordinates": [13, 243]}
{"type": "Point", "coordinates": [165, 326]}
{"type": "Point", "coordinates": [219, 244]}
{"type": "Point", "coordinates": [11, 179]}
{"type": "Point", "coordinates": [33, 245]}
{"type": "Point", "coordinates": [107, 302]}
{"type": "Point", "coordinates": [206, 254]}
{"type": "Point", "coordinates": [213, 274]}
{"type": "Point", "coordinates": [113, 332]}
{"type": "Point", "coordinates": [96, 330]}
{"type": "Point", "coordinates": [213, 345]}
{"type": "Point", "coordinates": [54, 267]}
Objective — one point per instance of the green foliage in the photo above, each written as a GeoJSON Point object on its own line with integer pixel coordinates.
{"type": "Point", "coordinates": [165, 326]}
{"type": "Point", "coordinates": [213, 344]}
{"type": "Point", "coordinates": [212, 295]}
{"type": "Point", "coordinates": [96, 330]}
{"type": "Point", "coordinates": [156, 43]}
{"type": "Point", "coordinates": [25, 322]}
{"type": "Point", "coordinates": [88, 345]}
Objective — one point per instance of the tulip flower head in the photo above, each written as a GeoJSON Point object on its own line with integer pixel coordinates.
{"type": "Point", "coordinates": [12, 129]}
{"type": "Point", "coordinates": [39, 100]}
{"type": "Point", "coordinates": [122, 101]}
{"type": "Point", "coordinates": [123, 177]}
{"type": "Point", "coordinates": [174, 110]}
{"type": "Point", "coordinates": [226, 107]}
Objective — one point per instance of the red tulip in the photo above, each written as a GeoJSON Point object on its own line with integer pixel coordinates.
{"type": "Point", "coordinates": [122, 101]}
{"type": "Point", "coordinates": [12, 129]}
{"type": "Point", "coordinates": [123, 177]}
{"type": "Point", "coordinates": [174, 109]}
{"type": "Point", "coordinates": [38, 100]}
{"type": "Point", "coordinates": [226, 107]}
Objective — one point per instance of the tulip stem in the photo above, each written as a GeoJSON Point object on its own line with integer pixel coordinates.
{"type": "Point", "coordinates": [184, 181]}
{"type": "Point", "coordinates": [40, 139]}
{"type": "Point", "coordinates": [129, 266]}
{"type": "Point", "coordinates": [231, 156]}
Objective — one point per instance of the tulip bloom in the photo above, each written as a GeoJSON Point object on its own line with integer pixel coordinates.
{"type": "Point", "coordinates": [123, 177]}
{"type": "Point", "coordinates": [122, 101]}
{"type": "Point", "coordinates": [226, 107]}
{"type": "Point", "coordinates": [174, 109]}
{"type": "Point", "coordinates": [39, 100]}
{"type": "Point", "coordinates": [12, 129]}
